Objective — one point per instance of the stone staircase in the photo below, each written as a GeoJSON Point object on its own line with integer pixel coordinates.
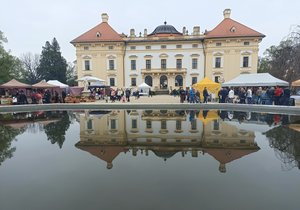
{"type": "Point", "coordinates": [162, 92]}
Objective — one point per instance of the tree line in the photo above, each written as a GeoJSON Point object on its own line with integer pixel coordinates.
{"type": "Point", "coordinates": [283, 61]}
{"type": "Point", "coordinates": [32, 68]}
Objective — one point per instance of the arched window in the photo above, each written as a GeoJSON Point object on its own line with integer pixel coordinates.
{"type": "Point", "coordinates": [148, 80]}
{"type": "Point", "coordinates": [163, 82]}
{"type": "Point", "coordinates": [178, 81]}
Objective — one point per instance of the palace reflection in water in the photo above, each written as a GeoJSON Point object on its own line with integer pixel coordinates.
{"type": "Point", "coordinates": [165, 133]}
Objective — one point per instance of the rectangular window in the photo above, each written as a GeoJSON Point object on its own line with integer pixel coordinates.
{"type": "Point", "coordinates": [178, 46]}
{"type": "Point", "coordinates": [163, 124]}
{"type": "Point", "coordinates": [86, 48]}
{"type": "Point", "coordinates": [179, 63]}
{"type": "Point", "coordinates": [195, 45]}
{"type": "Point", "coordinates": [132, 47]}
{"type": "Point", "coordinates": [148, 124]}
{"type": "Point", "coordinates": [111, 65]}
{"type": "Point", "coordinates": [245, 61]}
{"type": "Point", "coordinates": [163, 46]}
{"type": "Point", "coordinates": [178, 124]}
{"type": "Point", "coordinates": [110, 47]}
{"type": "Point", "coordinates": [133, 81]}
{"type": "Point", "coordinates": [148, 64]}
{"type": "Point", "coordinates": [194, 124]}
{"type": "Point", "coordinates": [218, 62]}
{"type": "Point", "coordinates": [195, 63]}
{"type": "Point", "coordinates": [194, 80]}
{"type": "Point", "coordinates": [217, 79]}
{"type": "Point", "coordinates": [133, 123]}
{"type": "Point", "coordinates": [112, 81]}
{"type": "Point", "coordinates": [246, 43]}
{"type": "Point", "coordinates": [113, 124]}
{"type": "Point", "coordinates": [87, 65]}
{"type": "Point", "coordinates": [218, 44]}
{"type": "Point", "coordinates": [216, 125]}
{"type": "Point", "coordinates": [89, 124]}
{"type": "Point", "coordinates": [148, 47]}
{"type": "Point", "coordinates": [163, 63]}
{"type": "Point", "coordinates": [133, 64]}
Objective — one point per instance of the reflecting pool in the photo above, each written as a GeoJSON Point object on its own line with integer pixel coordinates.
{"type": "Point", "coordinates": [149, 159]}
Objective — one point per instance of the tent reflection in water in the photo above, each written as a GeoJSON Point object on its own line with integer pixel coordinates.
{"type": "Point", "coordinates": [212, 87]}
{"type": "Point", "coordinates": [208, 115]}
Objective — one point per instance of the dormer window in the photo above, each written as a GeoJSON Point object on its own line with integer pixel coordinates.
{"type": "Point", "coordinates": [98, 34]}
{"type": "Point", "coordinates": [232, 29]}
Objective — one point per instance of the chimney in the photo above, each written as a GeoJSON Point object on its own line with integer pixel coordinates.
{"type": "Point", "coordinates": [132, 33]}
{"type": "Point", "coordinates": [183, 30]}
{"type": "Point", "coordinates": [226, 13]}
{"type": "Point", "coordinates": [104, 17]}
{"type": "Point", "coordinates": [145, 32]}
{"type": "Point", "coordinates": [196, 30]}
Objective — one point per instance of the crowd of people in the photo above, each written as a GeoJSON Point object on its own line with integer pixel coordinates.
{"type": "Point", "coordinates": [36, 96]}
{"type": "Point", "coordinates": [256, 95]}
{"type": "Point", "coordinates": [119, 94]}
{"type": "Point", "coordinates": [243, 95]}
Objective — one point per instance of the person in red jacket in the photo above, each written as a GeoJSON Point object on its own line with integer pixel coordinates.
{"type": "Point", "coordinates": [277, 94]}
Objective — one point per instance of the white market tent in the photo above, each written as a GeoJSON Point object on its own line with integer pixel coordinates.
{"type": "Point", "coordinates": [90, 79]}
{"type": "Point", "coordinates": [144, 88]}
{"type": "Point", "coordinates": [57, 83]}
{"type": "Point", "coordinates": [255, 80]}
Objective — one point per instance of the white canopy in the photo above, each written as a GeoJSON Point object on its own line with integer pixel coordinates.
{"type": "Point", "coordinates": [144, 89]}
{"type": "Point", "coordinates": [90, 79]}
{"type": "Point", "coordinates": [144, 85]}
{"type": "Point", "coordinates": [262, 79]}
{"type": "Point", "coordinates": [57, 83]}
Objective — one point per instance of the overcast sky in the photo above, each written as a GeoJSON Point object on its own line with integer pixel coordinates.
{"type": "Point", "coordinates": [29, 24]}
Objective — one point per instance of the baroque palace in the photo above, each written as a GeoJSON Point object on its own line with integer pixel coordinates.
{"type": "Point", "coordinates": [166, 58]}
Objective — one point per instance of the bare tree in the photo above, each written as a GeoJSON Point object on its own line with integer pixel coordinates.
{"type": "Point", "coordinates": [72, 74]}
{"type": "Point", "coordinates": [283, 61]}
{"type": "Point", "coordinates": [30, 64]}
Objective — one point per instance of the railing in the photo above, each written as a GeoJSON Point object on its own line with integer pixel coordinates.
{"type": "Point", "coordinates": [167, 70]}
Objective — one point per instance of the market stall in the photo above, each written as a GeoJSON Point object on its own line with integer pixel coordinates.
{"type": "Point", "coordinates": [11, 90]}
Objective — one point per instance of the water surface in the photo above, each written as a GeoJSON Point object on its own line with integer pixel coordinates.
{"type": "Point", "coordinates": [149, 159]}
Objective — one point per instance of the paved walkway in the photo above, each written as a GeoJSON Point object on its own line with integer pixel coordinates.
{"type": "Point", "coordinates": [155, 102]}
{"type": "Point", "coordinates": [158, 99]}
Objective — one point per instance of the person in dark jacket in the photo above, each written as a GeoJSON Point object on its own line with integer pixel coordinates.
{"type": "Point", "coordinates": [205, 95]}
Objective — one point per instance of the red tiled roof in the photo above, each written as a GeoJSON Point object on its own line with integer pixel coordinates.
{"type": "Point", "coordinates": [232, 28]}
{"type": "Point", "coordinates": [105, 33]}
{"type": "Point", "coordinates": [106, 153]}
{"type": "Point", "coordinates": [228, 155]}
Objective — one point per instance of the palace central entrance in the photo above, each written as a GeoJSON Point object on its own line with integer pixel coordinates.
{"type": "Point", "coordinates": [163, 82]}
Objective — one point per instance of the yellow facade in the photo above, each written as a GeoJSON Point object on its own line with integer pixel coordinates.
{"type": "Point", "coordinates": [225, 52]}
{"type": "Point", "coordinates": [99, 55]}
{"type": "Point", "coordinates": [231, 51]}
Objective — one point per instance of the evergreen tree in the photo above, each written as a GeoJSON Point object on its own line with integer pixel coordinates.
{"type": "Point", "coordinates": [52, 64]}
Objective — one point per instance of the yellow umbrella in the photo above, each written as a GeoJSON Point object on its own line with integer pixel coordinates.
{"type": "Point", "coordinates": [206, 116]}
{"type": "Point", "coordinates": [212, 87]}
